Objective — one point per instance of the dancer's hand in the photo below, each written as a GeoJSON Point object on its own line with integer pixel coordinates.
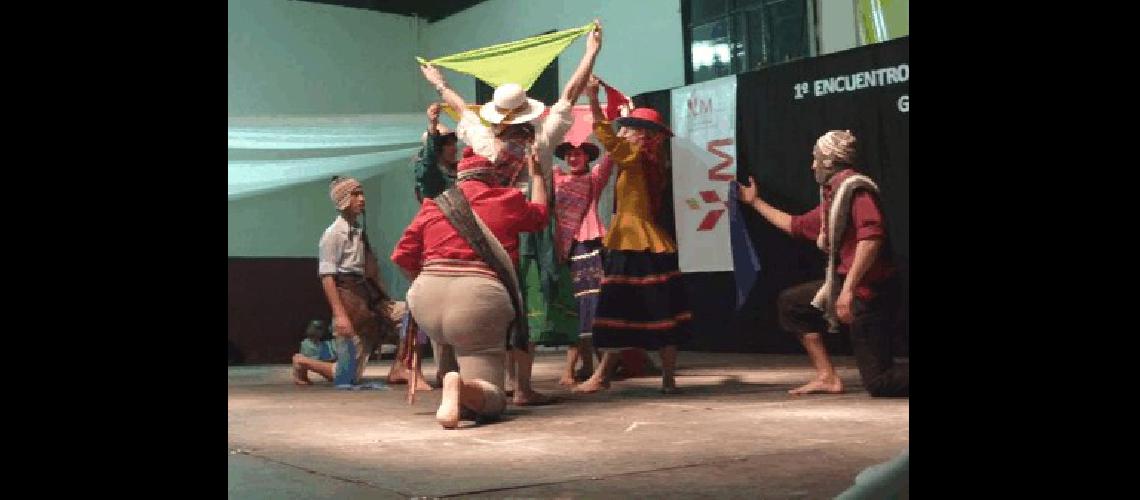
{"type": "Point", "coordinates": [594, 39]}
{"type": "Point", "coordinates": [843, 306]}
{"type": "Point", "coordinates": [747, 193]}
{"type": "Point", "coordinates": [342, 327]}
{"type": "Point", "coordinates": [433, 113]}
{"type": "Point", "coordinates": [592, 86]}
{"type": "Point", "coordinates": [532, 166]}
{"type": "Point", "coordinates": [433, 76]}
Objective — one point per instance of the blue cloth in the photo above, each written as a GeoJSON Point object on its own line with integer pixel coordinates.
{"type": "Point", "coordinates": [345, 373]}
{"type": "Point", "coordinates": [379, 386]}
{"type": "Point", "coordinates": [327, 351]}
{"type": "Point", "coordinates": [344, 376]}
{"type": "Point", "coordinates": [745, 264]}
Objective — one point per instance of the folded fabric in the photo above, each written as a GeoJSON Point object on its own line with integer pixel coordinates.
{"type": "Point", "coordinates": [745, 264]}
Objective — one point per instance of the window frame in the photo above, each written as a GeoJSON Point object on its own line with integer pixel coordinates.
{"type": "Point", "coordinates": [735, 15]}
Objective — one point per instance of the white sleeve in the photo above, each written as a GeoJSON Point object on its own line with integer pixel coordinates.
{"type": "Point", "coordinates": [551, 132]}
{"type": "Point", "coordinates": [329, 250]}
{"type": "Point", "coordinates": [553, 128]}
{"type": "Point", "coordinates": [472, 132]}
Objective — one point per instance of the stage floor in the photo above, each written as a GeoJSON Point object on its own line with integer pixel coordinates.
{"type": "Point", "coordinates": [733, 433]}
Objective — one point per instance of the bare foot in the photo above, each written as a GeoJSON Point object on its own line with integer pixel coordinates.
{"type": "Point", "coordinates": [398, 375]}
{"type": "Point", "coordinates": [448, 413]}
{"type": "Point", "coordinates": [584, 373]}
{"type": "Point", "coordinates": [422, 385]}
{"type": "Point", "coordinates": [532, 398]}
{"type": "Point", "coordinates": [828, 385]}
{"type": "Point", "coordinates": [567, 379]}
{"type": "Point", "coordinates": [300, 374]}
{"type": "Point", "coordinates": [590, 386]}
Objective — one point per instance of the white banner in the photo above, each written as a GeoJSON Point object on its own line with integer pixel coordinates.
{"type": "Point", "coordinates": [704, 161]}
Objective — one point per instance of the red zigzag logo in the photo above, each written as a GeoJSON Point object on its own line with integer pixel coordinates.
{"type": "Point", "coordinates": [711, 218]}
{"type": "Point", "coordinates": [715, 174]}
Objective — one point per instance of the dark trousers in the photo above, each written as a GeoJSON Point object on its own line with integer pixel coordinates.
{"type": "Point", "coordinates": [870, 331]}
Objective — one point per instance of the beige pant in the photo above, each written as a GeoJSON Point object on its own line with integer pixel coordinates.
{"type": "Point", "coordinates": [469, 314]}
{"type": "Point", "coordinates": [444, 358]}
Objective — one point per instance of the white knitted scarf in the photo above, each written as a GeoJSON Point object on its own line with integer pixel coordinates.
{"type": "Point", "coordinates": [830, 239]}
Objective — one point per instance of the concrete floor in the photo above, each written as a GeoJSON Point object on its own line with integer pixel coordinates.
{"type": "Point", "coordinates": [733, 433]}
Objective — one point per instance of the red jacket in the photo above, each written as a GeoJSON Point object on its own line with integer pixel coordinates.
{"type": "Point", "coordinates": [866, 223]}
{"type": "Point", "coordinates": [505, 211]}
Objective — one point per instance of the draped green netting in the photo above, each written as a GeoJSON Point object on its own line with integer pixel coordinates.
{"type": "Point", "coordinates": [268, 154]}
{"type": "Point", "coordinates": [325, 132]}
{"type": "Point", "coordinates": [248, 178]}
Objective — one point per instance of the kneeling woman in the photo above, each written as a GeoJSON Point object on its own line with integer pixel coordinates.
{"type": "Point", "coordinates": [460, 251]}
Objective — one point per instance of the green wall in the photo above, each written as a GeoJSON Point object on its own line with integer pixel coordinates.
{"type": "Point", "coordinates": [304, 58]}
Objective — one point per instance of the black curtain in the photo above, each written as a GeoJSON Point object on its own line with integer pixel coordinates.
{"type": "Point", "coordinates": [545, 88]}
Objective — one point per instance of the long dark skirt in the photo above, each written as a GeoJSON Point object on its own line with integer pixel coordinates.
{"type": "Point", "coordinates": [642, 302]}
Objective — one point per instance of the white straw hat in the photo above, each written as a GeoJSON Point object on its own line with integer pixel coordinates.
{"type": "Point", "coordinates": [510, 102]}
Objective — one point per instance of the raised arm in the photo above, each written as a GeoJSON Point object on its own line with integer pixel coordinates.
{"type": "Point", "coordinates": [585, 66]}
{"type": "Point", "coordinates": [451, 97]}
{"type": "Point", "coordinates": [777, 217]}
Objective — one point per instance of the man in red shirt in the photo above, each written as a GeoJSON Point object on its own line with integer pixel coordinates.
{"type": "Point", "coordinates": [861, 291]}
